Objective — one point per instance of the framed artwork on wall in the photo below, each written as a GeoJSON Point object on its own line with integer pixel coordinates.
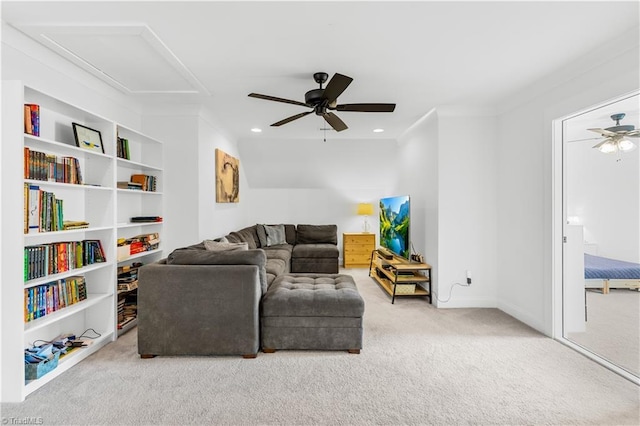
{"type": "Point", "coordinates": [87, 138]}
{"type": "Point", "coordinates": [227, 178]}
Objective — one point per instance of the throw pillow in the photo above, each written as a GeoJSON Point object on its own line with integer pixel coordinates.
{"type": "Point", "coordinates": [275, 234]}
{"type": "Point", "coordinates": [262, 235]}
{"type": "Point", "coordinates": [219, 246]}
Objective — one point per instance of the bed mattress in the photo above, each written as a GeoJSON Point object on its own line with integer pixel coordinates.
{"type": "Point", "coordinates": [596, 267]}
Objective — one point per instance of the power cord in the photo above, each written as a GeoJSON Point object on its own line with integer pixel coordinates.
{"type": "Point", "coordinates": [451, 290]}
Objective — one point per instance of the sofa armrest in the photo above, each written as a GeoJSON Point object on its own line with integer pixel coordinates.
{"type": "Point", "coordinates": [198, 309]}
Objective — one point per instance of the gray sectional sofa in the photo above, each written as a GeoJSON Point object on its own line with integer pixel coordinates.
{"type": "Point", "coordinates": [206, 299]}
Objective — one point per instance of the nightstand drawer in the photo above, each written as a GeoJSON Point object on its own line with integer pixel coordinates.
{"type": "Point", "coordinates": [357, 249]}
{"type": "Point", "coordinates": [369, 239]}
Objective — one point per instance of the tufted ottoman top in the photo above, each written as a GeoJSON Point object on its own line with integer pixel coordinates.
{"type": "Point", "coordinates": [313, 295]}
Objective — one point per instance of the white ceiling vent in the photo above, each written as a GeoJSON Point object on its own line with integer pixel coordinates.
{"type": "Point", "coordinates": [129, 57]}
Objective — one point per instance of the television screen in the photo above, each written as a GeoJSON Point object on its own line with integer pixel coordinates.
{"type": "Point", "coordinates": [394, 225]}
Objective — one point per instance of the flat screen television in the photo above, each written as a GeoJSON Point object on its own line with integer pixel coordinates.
{"type": "Point", "coordinates": [395, 217]}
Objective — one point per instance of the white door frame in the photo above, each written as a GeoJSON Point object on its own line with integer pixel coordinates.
{"type": "Point", "coordinates": [559, 214]}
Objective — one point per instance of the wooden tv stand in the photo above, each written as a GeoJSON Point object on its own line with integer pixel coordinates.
{"type": "Point", "coordinates": [400, 277]}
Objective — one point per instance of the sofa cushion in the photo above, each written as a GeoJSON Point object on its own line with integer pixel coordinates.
{"type": "Point", "coordinates": [212, 245]}
{"type": "Point", "coordinates": [189, 256]}
{"type": "Point", "coordinates": [247, 235]}
{"type": "Point", "coordinates": [277, 267]}
{"type": "Point", "coordinates": [262, 235]}
{"type": "Point", "coordinates": [281, 251]}
{"type": "Point", "coordinates": [316, 234]}
{"type": "Point", "coordinates": [315, 251]}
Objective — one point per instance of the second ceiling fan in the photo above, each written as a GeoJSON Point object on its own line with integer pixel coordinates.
{"type": "Point", "coordinates": [323, 101]}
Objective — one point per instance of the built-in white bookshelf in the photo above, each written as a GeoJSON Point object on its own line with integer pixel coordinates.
{"type": "Point", "coordinates": [96, 200]}
{"type": "Point", "coordinates": [146, 158]}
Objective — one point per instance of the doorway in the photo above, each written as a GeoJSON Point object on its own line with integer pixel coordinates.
{"type": "Point", "coordinates": [598, 302]}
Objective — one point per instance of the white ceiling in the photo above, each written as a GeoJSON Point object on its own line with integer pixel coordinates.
{"type": "Point", "coordinates": [418, 54]}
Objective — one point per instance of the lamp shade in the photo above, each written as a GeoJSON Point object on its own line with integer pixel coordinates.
{"type": "Point", "coordinates": [365, 209]}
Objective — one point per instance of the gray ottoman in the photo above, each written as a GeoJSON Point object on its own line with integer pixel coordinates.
{"type": "Point", "coordinates": [312, 311]}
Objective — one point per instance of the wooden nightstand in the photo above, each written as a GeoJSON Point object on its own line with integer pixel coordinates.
{"type": "Point", "coordinates": [357, 249]}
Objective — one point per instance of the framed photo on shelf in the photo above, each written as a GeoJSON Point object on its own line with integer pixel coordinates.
{"type": "Point", "coordinates": [87, 138]}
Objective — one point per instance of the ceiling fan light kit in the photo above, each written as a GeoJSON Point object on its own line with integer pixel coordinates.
{"type": "Point", "coordinates": [616, 136]}
{"type": "Point", "coordinates": [324, 100]}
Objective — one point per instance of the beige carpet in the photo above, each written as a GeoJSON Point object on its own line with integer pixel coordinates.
{"type": "Point", "coordinates": [419, 365]}
{"type": "Point", "coordinates": [613, 327]}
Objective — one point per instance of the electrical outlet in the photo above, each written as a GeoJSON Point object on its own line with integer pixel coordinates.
{"type": "Point", "coordinates": [468, 277]}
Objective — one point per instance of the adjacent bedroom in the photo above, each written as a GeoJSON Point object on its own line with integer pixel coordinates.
{"type": "Point", "coordinates": [601, 256]}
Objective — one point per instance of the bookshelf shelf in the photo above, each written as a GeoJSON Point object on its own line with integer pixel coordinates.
{"type": "Point", "coordinates": [91, 300]}
{"type": "Point", "coordinates": [70, 273]}
{"type": "Point", "coordinates": [69, 361]}
{"type": "Point", "coordinates": [61, 148]}
{"type": "Point", "coordinates": [97, 201]}
{"type": "Point", "coordinates": [136, 166]}
{"type": "Point", "coordinates": [70, 232]}
{"type": "Point", "coordinates": [86, 186]}
{"type": "Point", "coordinates": [139, 192]}
{"type": "Point", "coordinates": [138, 224]}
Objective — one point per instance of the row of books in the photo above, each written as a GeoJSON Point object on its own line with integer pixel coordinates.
{"type": "Point", "coordinates": [42, 166]}
{"type": "Point", "coordinates": [122, 148]}
{"type": "Point", "coordinates": [53, 258]}
{"type": "Point", "coordinates": [47, 298]}
{"type": "Point", "coordinates": [43, 212]}
{"type": "Point", "coordinates": [32, 119]}
{"type": "Point", "coordinates": [147, 182]}
{"type": "Point", "coordinates": [138, 244]}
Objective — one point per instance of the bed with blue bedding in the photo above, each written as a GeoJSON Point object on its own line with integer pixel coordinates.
{"type": "Point", "coordinates": [611, 272]}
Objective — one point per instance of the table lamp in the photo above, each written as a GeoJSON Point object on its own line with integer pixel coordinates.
{"type": "Point", "coordinates": [365, 209]}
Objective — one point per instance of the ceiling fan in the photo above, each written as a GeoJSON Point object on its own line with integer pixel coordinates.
{"type": "Point", "coordinates": [615, 137]}
{"type": "Point", "coordinates": [323, 101]}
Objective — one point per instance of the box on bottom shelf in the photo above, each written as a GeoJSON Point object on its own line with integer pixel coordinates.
{"type": "Point", "coordinates": [405, 288]}
{"type": "Point", "coordinates": [35, 371]}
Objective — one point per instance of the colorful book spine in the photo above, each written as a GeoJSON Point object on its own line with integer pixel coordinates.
{"type": "Point", "coordinates": [32, 119]}
{"type": "Point", "coordinates": [48, 298]}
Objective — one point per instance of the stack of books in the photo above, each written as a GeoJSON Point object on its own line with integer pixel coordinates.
{"type": "Point", "coordinates": [129, 185]}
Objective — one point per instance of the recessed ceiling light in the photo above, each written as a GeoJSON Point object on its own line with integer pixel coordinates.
{"type": "Point", "coordinates": [378, 130]}
{"type": "Point", "coordinates": [256, 130]}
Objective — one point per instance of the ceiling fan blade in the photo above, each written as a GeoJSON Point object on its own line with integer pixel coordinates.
{"type": "Point", "coordinates": [366, 107]}
{"type": "Point", "coordinates": [634, 133]}
{"type": "Point", "coordinates": [273, 98]}
{"type": "Point", "coordinates": [582, 140]}
{"type": "Point", "coordinates": [336, 86]}
{"type": "Point", "coordinates": [293, 117]}
{"type": "Point", "coordinates": [598, 145]}
{"type": "Point", "coordinates": [603, 132]}
{"type": "Point", "coordinates": [334, 121]}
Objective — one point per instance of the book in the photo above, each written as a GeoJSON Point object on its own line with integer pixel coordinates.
{"type": "Point", "coordinates": [148, 182]}
{"type": "Point", "coordinates": [146, 219]}
{"type": "Point", "coordinates": [32, 119]}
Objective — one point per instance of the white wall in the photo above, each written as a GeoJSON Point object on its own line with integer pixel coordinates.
{"type": "Point", "coordinates": [467, 193]}
{"type": "Point", "coordinates": [449, 165]}
{"type": "Point", "coordinates": [525, 192]}
{"type": "Point", "coordinates": [218, 219]}
{"type": "Point", "coordinates": [317, 182]}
